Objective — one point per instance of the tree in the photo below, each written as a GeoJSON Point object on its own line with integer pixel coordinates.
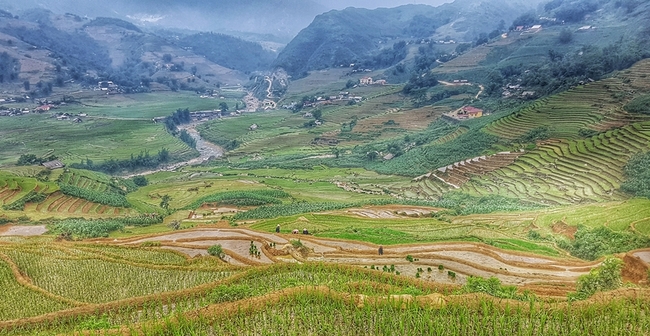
{"type": "Point", "coordinates": [566, 36]}
{"type": "Point", "coordinates": [167, 58]}
{"type": "Point", "coordinates": [318, 114]}
{"type": "Point", "coordinates": [193, 69]}
{"type": "Point", "coordinates": [164, 203]}
{"type": "Point", "coordinates": [140, 181]}
{"type": "Point", "coordinates": [216, 251]}
{"type": "Point", "coordinates": [26, 85]}
{"type": "Point", "coordinates": [175, 225]}
{"type": "Point", "coordinates": [223, 106]}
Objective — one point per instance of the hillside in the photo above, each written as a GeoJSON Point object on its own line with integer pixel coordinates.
{"type": "Point", "coordinates": [61, 51]}
{"type": "Point", "coordinates": [347, 36]}
{"type": "Point", "coordinates": [280, 18]}
{"type": "Point", "coordinates": [496, 186]}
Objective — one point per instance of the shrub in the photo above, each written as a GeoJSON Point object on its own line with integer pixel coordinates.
{"type": "Point", "coordinates": [140, 181]}
{"type": "Point", "coordinates": [637, 172]}
{"type": "Point", "coordinates": [595, 243]}
{"type": "Point", "coordinates": [639, 104]}
{"type": "Point", "coordinates": [603, 278]}
{"type": "Point", "coordinates": [409, 258]}
{"type": "Point", "coordinates": [492, 286]}
{"type": "Point", "coordinates": [216, 251]}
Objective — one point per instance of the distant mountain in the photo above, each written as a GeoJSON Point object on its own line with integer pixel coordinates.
{"type": "Point", "coordinates": [40, 50]}
{"type": "Point", "coordinates": [347, 36]}
{"type": "Point", "coordinates": [282, 18]}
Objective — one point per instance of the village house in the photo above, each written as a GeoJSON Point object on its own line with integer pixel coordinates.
{"type": "Point", "coordinates": [56, 164]}
{"type": "Point", "coordinates": [469, 112]}
{"type": "Point", "coordinates": [365, 81]}
{"type": "Point", "coordinates": [253, 127]}
{"type": "Point", "coordinates": [380, 82]}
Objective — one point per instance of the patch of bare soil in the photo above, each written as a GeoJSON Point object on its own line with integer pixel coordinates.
{"type": "Point", "coordinates": [565, 230]}
{"type": "Point", "coordinates": [24, 231]}
{"type": "Point", "coordinates": [391, 211]}
{"type": "Point", "coordinates": [193, 235]}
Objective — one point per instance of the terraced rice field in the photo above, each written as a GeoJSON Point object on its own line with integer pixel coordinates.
{"type": "Point", "coordinates": [460, 131]}
{"type": "Point", "coordinates": [58, 203]}
{"type": "Point", "coordinates": [434, 184]}
{"type": "Point", "coordinates": [13, 188]}
{"type": "Point", "coordinates": [568, 171]}
{"type": "Point", "coordinates": [463, 258]}
{"type": "Point", "coordinates": [594, 106]}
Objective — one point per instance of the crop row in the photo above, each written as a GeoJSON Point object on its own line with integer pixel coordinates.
{"type": "Point", "coordinates": [593, 106]}
{"type": "Point", "coordinates": [242, 198]}
{"type": "Point", "coordinates": [564, 172]}
{"type": "Point", "coordinates": [60, 203]}
{"type": "Point", "coordinates": [97, 280]}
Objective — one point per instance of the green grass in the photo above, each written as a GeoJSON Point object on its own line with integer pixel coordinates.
{"type": "Point", "coordinates": [96, 139]}
{"type": "Point", "coordinates": [148, 105]}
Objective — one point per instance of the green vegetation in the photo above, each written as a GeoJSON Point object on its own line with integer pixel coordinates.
{"type": "Point", "coordinates": [31, 197]}
{"type": "Point", "coordinates": [637, 172]}
{"type": "Point", "coordinates": [605, 277]}
{"type": "Point", "coordinates": [19, 302]}
{"type": "Point", "coordinates": [106, 198]}
{"type": "Point", "coordinates": [591, 244]}
{"type": "Point", "coordinates": [218, 48]}
{"type": "Point", "coordinates": [639, 104]}
{"type": "Point", "coordinates": [84, 228]}
{"type": "Point", "coordinates": [242, 198]}
{"type": "Point", "coordinates": [493, 287]}
{"type": "Point", "coordinates": [216, 251]}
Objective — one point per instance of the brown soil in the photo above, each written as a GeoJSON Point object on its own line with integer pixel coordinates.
{"type": "Point", "coordinates": [86, 207]}
{"type": "Point", "coordinates": [634, 270]}
{"type": "Point", "coordinates": [565, 230]}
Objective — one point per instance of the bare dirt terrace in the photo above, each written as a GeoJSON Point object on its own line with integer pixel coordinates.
{"type": "Point", "coordinates": [436, 261]}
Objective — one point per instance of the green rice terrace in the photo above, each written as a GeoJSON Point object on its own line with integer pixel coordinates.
{"type": "Point", "coordinates": [375, 215]}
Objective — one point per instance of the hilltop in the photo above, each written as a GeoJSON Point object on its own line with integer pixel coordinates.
{"type": "Point", "coordinates": [352, 35]}
{"type": "Point", "coordinates": [275, 19]}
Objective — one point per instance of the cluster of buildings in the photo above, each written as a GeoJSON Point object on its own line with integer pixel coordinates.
{"type": "Point", "coordinates": [465, 113]}
{"type": "Point", "coordinates": [109, 87]}
{"type": "Point", "coordinates": [365, 81]}
{"type": "Point", "coordinates": [517, 91]}
{"type": "Point", "coordinates": [529, 30]}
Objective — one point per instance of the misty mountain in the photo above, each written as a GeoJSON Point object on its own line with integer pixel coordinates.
{"type": "Point", "coordinates": [352, 35]}
{"type": "Point", "coordinates": [282, 18]}
{"type": "Point", "coordinates": [43, 49]}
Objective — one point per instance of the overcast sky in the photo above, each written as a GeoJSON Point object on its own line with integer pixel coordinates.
{"type": "Point", "coordinates": [340, 4]}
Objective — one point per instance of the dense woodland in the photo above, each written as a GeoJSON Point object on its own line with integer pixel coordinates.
{"type": "Point", "coordinates": [230, 52]}
{"type": "Point", "coordinates": [9, 68]}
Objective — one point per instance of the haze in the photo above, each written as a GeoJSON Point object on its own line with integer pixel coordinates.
{"type": "Point", "coordinates": [371, 4]}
